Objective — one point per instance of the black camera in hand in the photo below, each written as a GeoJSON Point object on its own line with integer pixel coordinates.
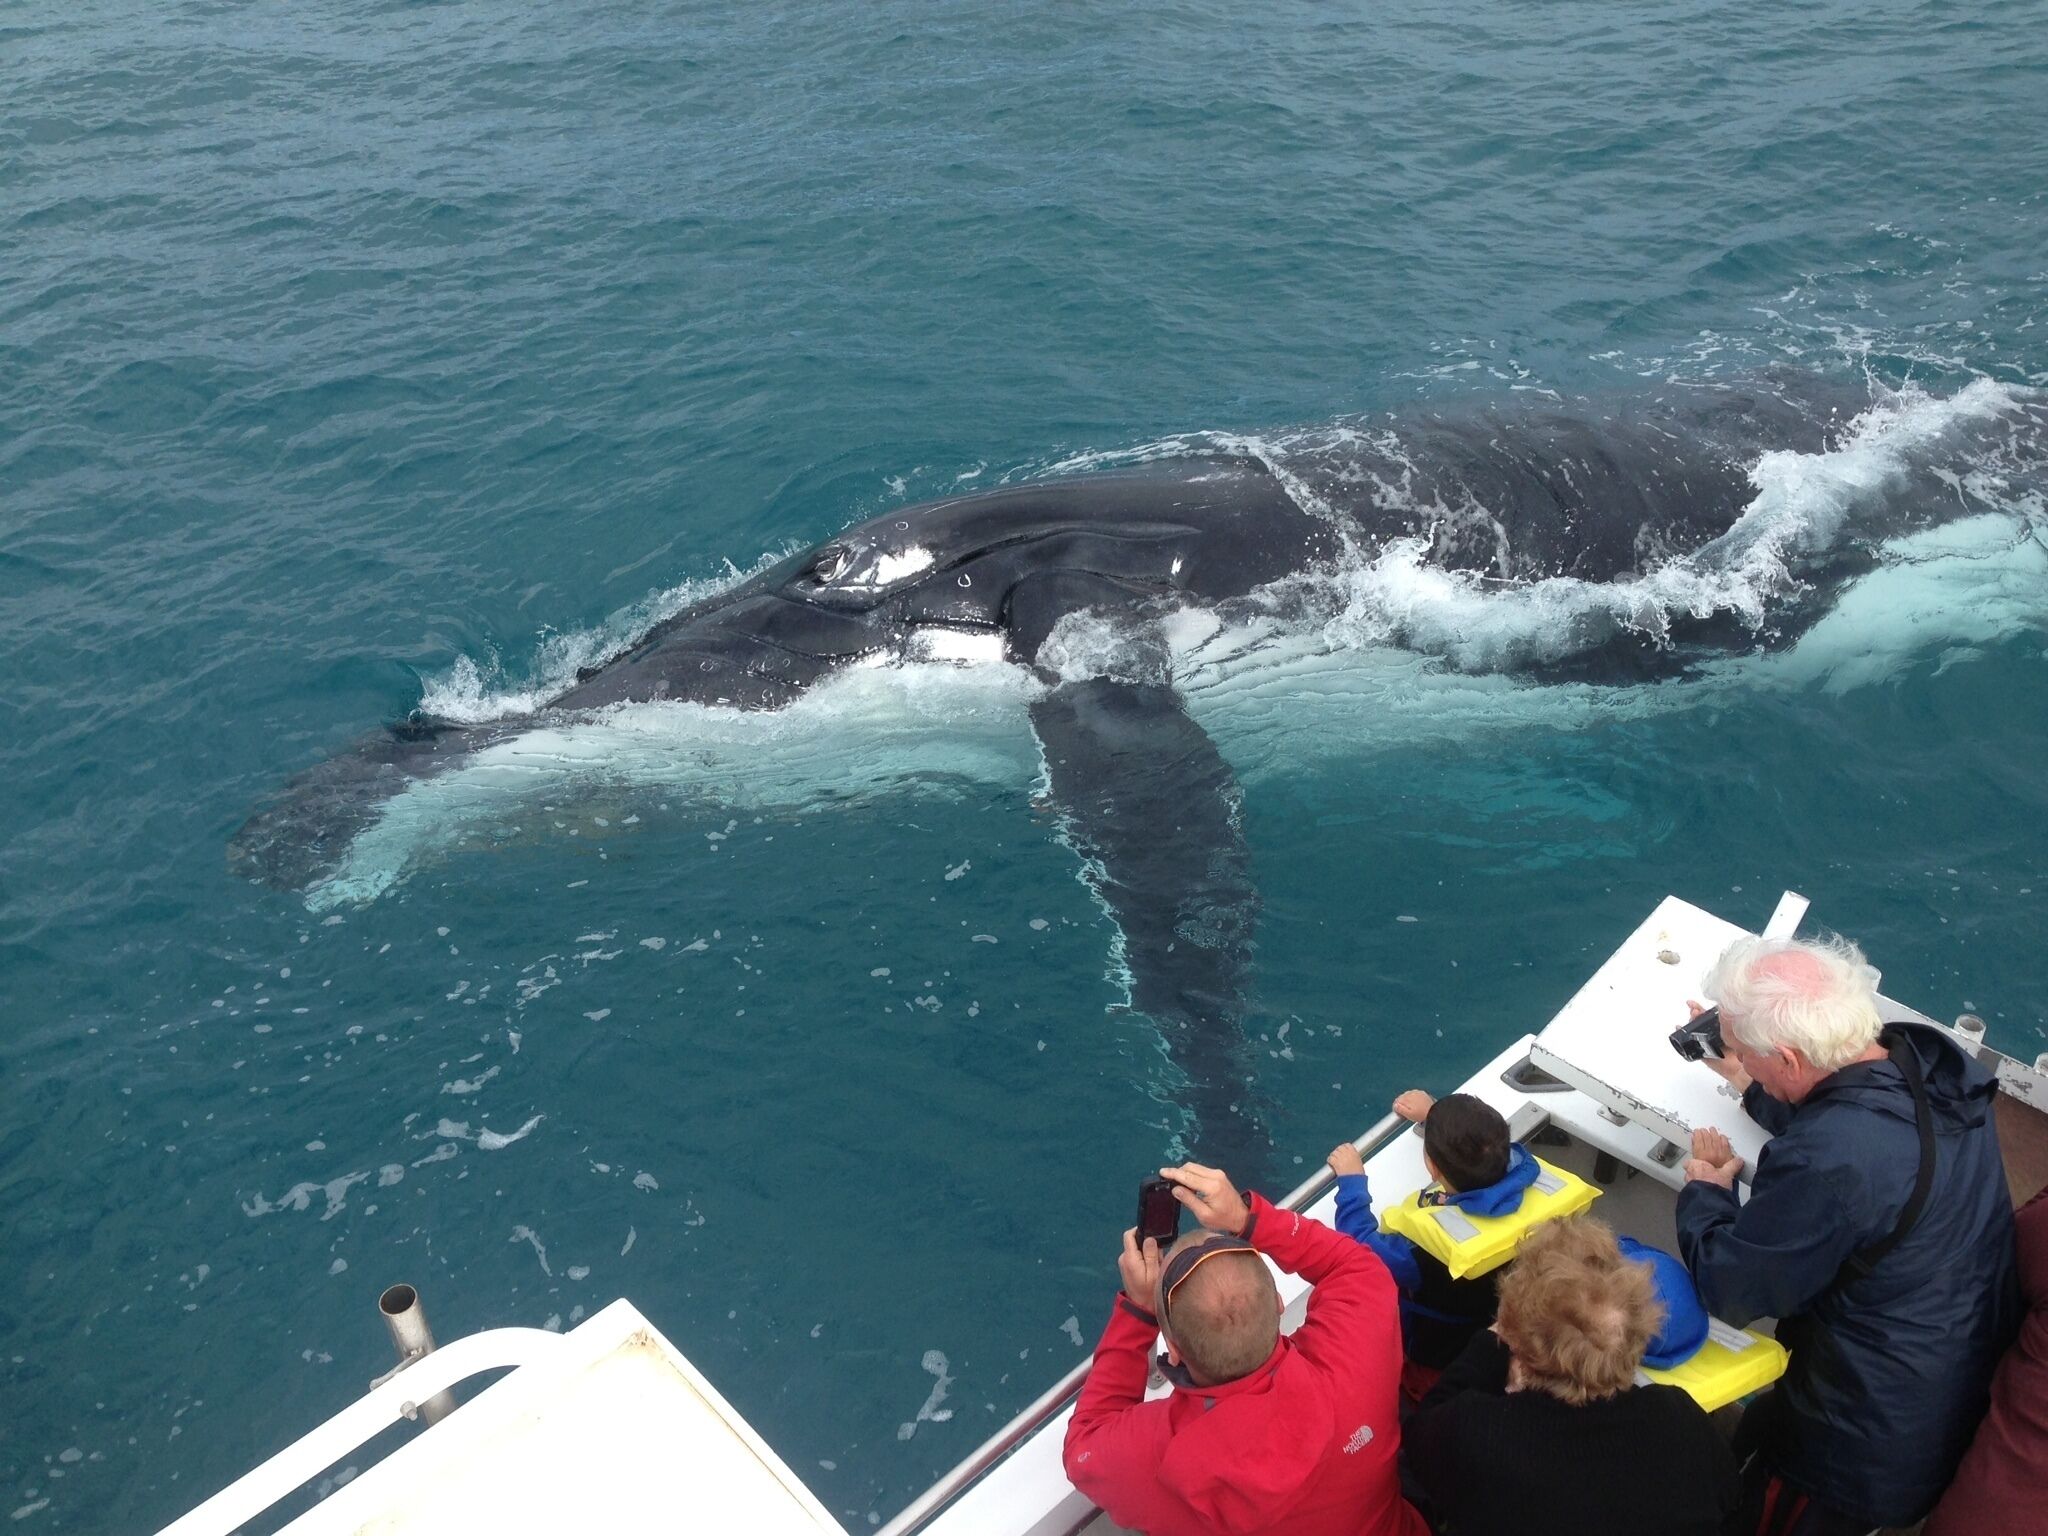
{"type": "Point", "coordinates": [1700, 1037]}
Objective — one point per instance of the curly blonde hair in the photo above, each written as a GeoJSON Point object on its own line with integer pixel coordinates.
{"type": "Point", "coordinates": [1575, 1314]}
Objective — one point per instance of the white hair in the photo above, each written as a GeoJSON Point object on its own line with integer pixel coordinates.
{"type": "Point", "coordinates": [1816, 995]}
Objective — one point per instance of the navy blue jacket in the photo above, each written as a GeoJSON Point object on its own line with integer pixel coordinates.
{"type": "Point", "coordinates": [1890, 1371]}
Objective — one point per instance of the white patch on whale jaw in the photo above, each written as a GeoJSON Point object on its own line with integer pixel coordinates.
{"type": "Point", "coordinates": [961, 647]}
{"type": "Point", "coordinates": [868, 570]}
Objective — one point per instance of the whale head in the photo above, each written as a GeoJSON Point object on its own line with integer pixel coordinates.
{"type": "Point", "coordinates": [974, 578]}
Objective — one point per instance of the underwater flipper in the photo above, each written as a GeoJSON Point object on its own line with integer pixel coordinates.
{"type": "Point", "coordinates": [1151, 807]}
{"type": "Point", "coordinates": [305, 832]}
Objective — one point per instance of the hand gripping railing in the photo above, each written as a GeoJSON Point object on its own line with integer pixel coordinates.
{"type": "Point", "coordinates": [926, 1506]}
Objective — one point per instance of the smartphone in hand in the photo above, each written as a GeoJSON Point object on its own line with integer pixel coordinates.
{"type": "Point", "coordinates": [1158, 1212]}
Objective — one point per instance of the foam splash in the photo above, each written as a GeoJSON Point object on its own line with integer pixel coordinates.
{"type": "Point", "coordinates": [1805, 502]}
{"type": "Point", "coordinates": [1287, 702]}
{"type": "Point", "coordinates": [935, 1363]}
{"type": "Point", "coordinates": [864, 734]}
{"type": "Point", "coordinates": [1805, 505]}
{"type": "Point", "coordinates": [1090, 644]}
{"type": "Point", "coordinates": [470, 693]}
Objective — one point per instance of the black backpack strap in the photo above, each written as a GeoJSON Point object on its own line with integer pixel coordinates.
{"type": "Point", "coordinates": [1907, 1060]}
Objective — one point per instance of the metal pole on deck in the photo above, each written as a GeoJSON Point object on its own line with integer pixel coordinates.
{"type": "Point", "coordinates": [410, 1335]}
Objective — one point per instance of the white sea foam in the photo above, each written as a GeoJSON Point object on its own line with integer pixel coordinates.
{"type": "Point", "coordinates": [471, 693]}
{"type": "Point", "coordinates": [300, 1197]}
{"type": "Point", "coordinates": [1092, 644]}
{"type": "Point", "coordinates": [1804, 504]}
{"type": "Point", "coordinates": [1382, 650]}
{"type": "Point", "coordinates": [935, 1362]}
{"type": "Point", "coordinates": [494, 1141]}
{"type": "Point", "coordinates": [861, 735]}
{"type": "Point", "coordinates": [1971, 582]}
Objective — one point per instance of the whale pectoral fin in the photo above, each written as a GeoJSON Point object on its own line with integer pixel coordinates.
{"type": "Point", "coordinates": [308, 827]}
{"type": "Point", "coordinates": [1152, 808]}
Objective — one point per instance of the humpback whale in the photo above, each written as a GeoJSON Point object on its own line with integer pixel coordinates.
{"type": "Point", "coordinates": [1654, 495]}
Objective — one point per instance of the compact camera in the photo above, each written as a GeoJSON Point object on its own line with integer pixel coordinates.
{"type": "Point", "coordinates": [1700, 1037]}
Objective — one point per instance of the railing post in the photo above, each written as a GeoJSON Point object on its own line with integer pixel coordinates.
{"type": "Point", "coordinates": [410, 1335]}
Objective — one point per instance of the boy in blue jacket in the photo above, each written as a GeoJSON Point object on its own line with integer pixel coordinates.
{"type": "Point", "coordinates": [1466, 1149]}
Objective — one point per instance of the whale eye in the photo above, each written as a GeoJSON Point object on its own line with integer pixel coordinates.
{"type": "Point", "coordinates": [903, 527]}
{"type": "Point", "coordinates": [857, 575]}
{"type": "Point", "coordinates": [966, 580]}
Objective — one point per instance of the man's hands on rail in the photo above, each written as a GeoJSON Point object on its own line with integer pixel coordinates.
{"type": "Point", "coordinates": [1713, 1158]}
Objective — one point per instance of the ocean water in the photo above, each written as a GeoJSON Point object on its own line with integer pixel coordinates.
{"type": "Point", "coordinates": [355, 357]}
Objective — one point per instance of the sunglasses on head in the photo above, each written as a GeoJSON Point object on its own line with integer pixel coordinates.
{"type": "Point", "coordinates": [1192, 1258]}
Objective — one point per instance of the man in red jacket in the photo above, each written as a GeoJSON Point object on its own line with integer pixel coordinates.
{"type": "Point", "coordinates": [1292, 1436]}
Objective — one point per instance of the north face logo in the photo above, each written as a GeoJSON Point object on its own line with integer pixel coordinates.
{"type": "Point", "coordinates": [1361, 1437]}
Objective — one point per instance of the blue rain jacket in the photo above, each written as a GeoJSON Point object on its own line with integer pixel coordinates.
{"type": "Point", "coordinates": [1890, 1371]}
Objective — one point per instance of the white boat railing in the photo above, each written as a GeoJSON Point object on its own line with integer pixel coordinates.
{"type": "Point", "coordinates": [928, 1505]}
{"type": "Point", "coordinates": [400, 1397]}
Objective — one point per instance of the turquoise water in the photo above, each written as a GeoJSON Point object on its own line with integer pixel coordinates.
{"type": "Point", "coordinates": [355, 355]}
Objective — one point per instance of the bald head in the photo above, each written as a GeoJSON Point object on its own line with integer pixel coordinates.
{"type": "Point", "coordinates": [1225, 1316]}
{"type": "Point", "coordinates": [1794, 972]}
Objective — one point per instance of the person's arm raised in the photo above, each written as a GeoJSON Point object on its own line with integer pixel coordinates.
{"type": "Point", "coordinates": [1758, 1105]}
{"type": "Point", "coordinates": [1353, 1294]}
{"type": "Point", "coordinates": [1110, 1446]}
{"type": "Point", "coordinates": [1296, 1243]}
{"type": "Point", "coordinates": [1214, 1200]}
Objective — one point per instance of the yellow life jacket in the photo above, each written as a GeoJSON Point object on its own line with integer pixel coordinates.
{"type": "Point", "coordinates": [1475, 1245]}
{"type": "Point", "coordinates": [1731, 1364]}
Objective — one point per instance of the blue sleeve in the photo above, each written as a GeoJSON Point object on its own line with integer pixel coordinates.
{"type": "Point", "coordinates": [1772, 1114]}
{"type": "Point", "coordinates": [1774, 1255]}
{"type": "Point", "coordinates": [1356, 1220]}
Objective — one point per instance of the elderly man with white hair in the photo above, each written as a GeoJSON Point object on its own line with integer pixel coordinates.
{"type": "Point", "coordinates": [1878, 1231]}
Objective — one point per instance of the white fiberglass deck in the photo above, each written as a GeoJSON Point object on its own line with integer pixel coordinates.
{"type": "Point", "coordinates": [606, 1428]}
